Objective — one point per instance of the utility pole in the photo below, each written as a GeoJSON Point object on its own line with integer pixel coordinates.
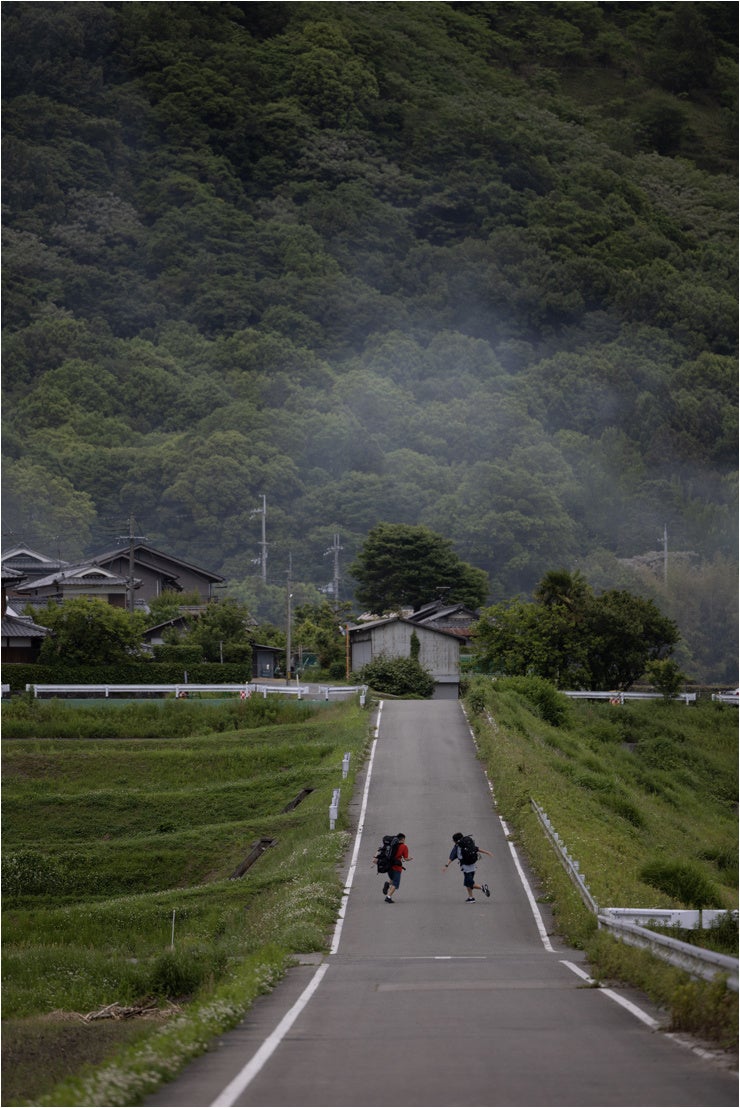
{"type": "Point", "coordinates": [665, 553]}
{"type": "Point", "coordinates": [334, 549]}
{"type": "Point", "coordinates": [132, 539]}
{"type": "Point", "coordinates": [263, 545]}
{"type": "Point", "coordinates": [288, 648]}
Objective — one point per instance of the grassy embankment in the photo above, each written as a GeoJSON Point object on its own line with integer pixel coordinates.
{"type": "Point", "coordinates": [644, 796]}
{"type": "Point", "coordinates": [105, 839]}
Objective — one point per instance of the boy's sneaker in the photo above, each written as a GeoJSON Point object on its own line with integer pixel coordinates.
{"type": "Point", "coordinates": [386, 886]}
{"type": "Point", "coordinates": [470, 900]}
{"type": "Point", "coordinates": [389, 900]}
{"type": "Point", "coordinates": [486, 890]}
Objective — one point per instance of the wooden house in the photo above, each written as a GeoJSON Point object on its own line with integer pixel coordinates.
{"type": "Point", "coordinates": [21, 637]}
{"type": "Point", "coordinates": [74, 581]}
{"type": "Point", "coordinates": [439, 651]}
{"type": "Point", "coordinates": [158, 572]}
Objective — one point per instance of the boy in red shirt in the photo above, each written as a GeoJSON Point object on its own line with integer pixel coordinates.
{"type": "Point", "coordinates": [394, 874]}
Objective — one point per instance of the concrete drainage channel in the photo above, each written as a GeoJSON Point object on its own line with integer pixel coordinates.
{"type": "Point", "coordinates": [259, 848]}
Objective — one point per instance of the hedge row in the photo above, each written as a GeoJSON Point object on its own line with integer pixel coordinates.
{"type": "Point", "coordinates": [20, 674]}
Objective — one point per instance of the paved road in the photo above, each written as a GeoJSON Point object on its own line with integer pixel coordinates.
{"type": "Point", "coordinates": [432, 1001]}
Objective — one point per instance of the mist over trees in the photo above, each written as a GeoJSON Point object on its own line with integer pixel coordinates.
{"type": "Point", "coordinates": [469, 267]}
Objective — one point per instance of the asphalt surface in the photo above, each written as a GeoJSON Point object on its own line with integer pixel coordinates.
{"type": "Point", "coordinates": [432, 1001]}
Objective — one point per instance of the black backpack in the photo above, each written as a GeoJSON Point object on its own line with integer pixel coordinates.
{"type": "Point", "coordinates": [386, 853]}
{"type": "Point", "coordinates": [468, 850]}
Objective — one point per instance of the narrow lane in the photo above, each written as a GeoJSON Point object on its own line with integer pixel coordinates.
{"type": "Point", "coordinates": [432, 1001]}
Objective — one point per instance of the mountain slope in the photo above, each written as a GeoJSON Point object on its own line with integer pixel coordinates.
{"type": "Point", "coordinates": [466, 265]}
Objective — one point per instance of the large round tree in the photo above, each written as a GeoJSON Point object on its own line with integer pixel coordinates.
{"type": "Point", "coordinates": [400, 565]}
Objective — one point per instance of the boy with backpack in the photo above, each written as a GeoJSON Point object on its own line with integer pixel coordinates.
{"type": "Point", "coordinates": [466, 853]}
{"type": "Point", "coordinates": [389, 859]}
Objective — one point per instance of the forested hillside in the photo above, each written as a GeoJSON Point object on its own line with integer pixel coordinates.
{"type": "Point", "coordinates": [470, 266]}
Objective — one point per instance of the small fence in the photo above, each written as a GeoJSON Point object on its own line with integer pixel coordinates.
{"type": "Point", "coordinates": [326, 692]}
{"type": "Point", "coordinates": [626, 923]}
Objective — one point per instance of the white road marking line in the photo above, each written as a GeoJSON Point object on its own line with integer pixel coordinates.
{"type": "Point", "coordinates": [246, 1075]}
{"type": "Point", "coordinates": [235, 1088]}
{"type": "Point", "coordinates": [522, 876]}
{"type": "Point", "coordinates": [621, 1000]}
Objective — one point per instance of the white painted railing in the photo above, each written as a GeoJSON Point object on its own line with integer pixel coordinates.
{"type": "Point", "coordinates": [726, 698]}
{"type": "Point", "coordinates": [620, 697]}
{"type": "Point", "coordinates": [245, 690]}
{"type": "Point", "coordinates": [625, 923]}
{"type": "Point", "coordinates": [327, 691]}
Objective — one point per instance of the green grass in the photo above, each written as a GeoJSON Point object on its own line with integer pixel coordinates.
{"type": "Point", "coordinates": [105, 839]}
{"type": "Point", "coordinates": [644, 797]}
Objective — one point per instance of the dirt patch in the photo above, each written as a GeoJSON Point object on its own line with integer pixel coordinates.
{"type": "Point", "coordinates": [40, 1051]}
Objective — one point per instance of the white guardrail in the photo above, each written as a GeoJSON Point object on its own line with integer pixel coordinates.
{"type": "Point", "coordinates": [327, 691]}
{"type": "Point", "coordinates": [726, 698]}
{"type": "Point", "coordinates": [626, 923]}
{"type": "Point", "coordinates": [620, 697]}
{"type": "Point", "coordinates": [245, 690]}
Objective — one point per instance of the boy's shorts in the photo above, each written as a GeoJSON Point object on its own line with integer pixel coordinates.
{"type": "Point", "coordinates": [394, 876]}
{"type": "Point", "coordinates": [469, 880]}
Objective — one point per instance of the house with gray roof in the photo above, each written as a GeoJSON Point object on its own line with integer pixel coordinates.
{"type": "Point", "coordinates": [21, 637]}
{"type": "Point", "coordinates": [439, 651]}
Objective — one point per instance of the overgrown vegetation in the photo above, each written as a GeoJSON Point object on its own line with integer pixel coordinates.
{"type": "Point", "coordinates": [158, 718]}
{"type": "Point", "coordinates": [112, 847]}
{"type": "Point", "coordinates": [645, 798]}
{"type": "Point", "coordinates": [465, 266]}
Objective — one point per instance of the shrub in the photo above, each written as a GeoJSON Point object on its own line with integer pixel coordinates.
{"type": "Point", "coordinates": [397, 676]}
{"type": "Point", "coordinates": [542, 696]}
{"type": "Point", "coordinates": [682, 881]}
{"type": "Point", "coordinates": [666, 677]}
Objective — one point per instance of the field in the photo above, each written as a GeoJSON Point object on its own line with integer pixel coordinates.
{"type": "Point", "coordinates": [119, 856]}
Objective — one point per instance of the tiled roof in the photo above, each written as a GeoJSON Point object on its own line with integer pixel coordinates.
{"type": "Point", "coordinates": [15, 628]}
{"type": "Point", "coordinates": [83, 573]}
{"type": "Point", "coordinates": [140, 552]}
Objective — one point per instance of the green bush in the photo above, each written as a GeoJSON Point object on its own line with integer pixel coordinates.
{"type": "Point", "coordinates": [20, 674]}
{"type": "Point", "coordinates": [682, 881]}
{"type": "Point", "coordinates": [397, 677]}
{"type": "Point", "coordinates": [550, 705]}
{"type": "Point", "coordinates": [179, 655]}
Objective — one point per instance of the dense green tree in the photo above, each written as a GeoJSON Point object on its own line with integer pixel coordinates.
{"type": "Point", "coordinates": [89, 632]}
{"type": "Point", "coordinates": [168, 603]}
{"type": "Point", "coordinates": [468, 266]}
{"type": "Point", "coordinates": [407, 565]}
{"type": "Point", "coordinates": [624, 633]}
{"type": "Point", "coordinates": [573, 637]}
{"type": "Point", "coordinates": [318, 628]}
{"type": "Point", "coordinates": [223, 631]}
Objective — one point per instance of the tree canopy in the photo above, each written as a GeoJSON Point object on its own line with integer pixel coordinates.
{"type": "Point", "coordinates": [469, 267]}
{"type": "Point", "coordinates": [90, 632]}
{"type": "Point", "coordinates": [400, 565]}
{"type": "Point", "coordinates": [573, 637]}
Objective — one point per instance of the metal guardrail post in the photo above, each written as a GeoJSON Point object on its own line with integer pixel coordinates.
{"type": "Point", "coordinates": [334, 809]}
